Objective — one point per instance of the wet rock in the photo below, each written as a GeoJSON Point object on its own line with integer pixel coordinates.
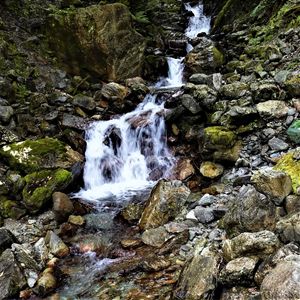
{"type": "Point", "coordinates": [293, 132]}
{"type": "Point", "coordinates": [165, 202]}
{"type": "Point", "coordinates": [288, 228]}
{"type": "Point", "coordinates": [249, 211]}
{"type": "Point", "coordinates": [114, 91]}
{"type": "Point", "coordinates": [283, 282]}
{"type": "Point", "coordinates": [6, 239]}
{"type": "Point", "coordinates": [211, 170]}
{"type": "Point", "coordinates": [46, 283]}
{"type": "Point", "coordinates": [46, 153]}
{"type": "Point", "coordinates": [190, 104]}
{"type": "Point", "coordinates": [56, 245]}
{"type": "Point", "coordinates": [185, 169]}
{"type": "Point", "coordinates": [41, 251]}
{"type": "Point", "coordinates": [137, 86]}
{"type": "Point", "coordinates": [62, 206]}
{"type": "Point", "coordinates": [41, 185]}
{"type": "Point", "coordinates": [25, 257]}
{"type": "Point", "coordinates": [156, 264]}
{"type": "Point", "coordinates": [6, 112]}
{"type": "Point", "coordinates": [97, 46]}
{"type": "Point", "coordinates": [239, 271]}
{"type": "Point", "coordinates": [11, 279]}
{"type": "Point", "coordinates": [73, 122]}
{"type": "Point", "coordinates": [290, 164]}
{"type": "Point", "coordinates": [274, 183]}
{"type": "Point", "coordinates": [277, 144]}
{"type": "Point", "coordinates": [260, 244]}
{"type": "Point", "coordinates": [76, 220]}
{"type": "Point", "coordinates": [132, 212]}
{"type": "Point", "coordinates": [198, 278]}
{"type": "Point", "coordinates": [156, 237]}
{"type": "Point", "coordinates": [204, 58]}
{"type": "Point", "coordinates": [235, 90]}
{"type": "Point", "coordinates": [99, 221]}
{"type": "Point", "coordinates": [84, 102]}
{"type": "Point", "coordinates": [272, 109]}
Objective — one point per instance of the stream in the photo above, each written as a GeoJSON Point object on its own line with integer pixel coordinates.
{"type": "Point", "coordinates": [125, 157]}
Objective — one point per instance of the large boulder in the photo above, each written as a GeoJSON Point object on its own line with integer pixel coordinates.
{"type": "Point", "coordinates": [99, 40]}
{"type": "Point", "coordinates": [250, 211]}
{"type": "Point", "coordinates": [283, 282]}
{"type": "Point", "coordinates": [164, 204]}
{"type": "Point", "coordinates": [46, 153]}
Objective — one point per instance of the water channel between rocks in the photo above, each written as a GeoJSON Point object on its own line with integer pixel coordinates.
{"type": "Point", "coordinates": [125, 157]}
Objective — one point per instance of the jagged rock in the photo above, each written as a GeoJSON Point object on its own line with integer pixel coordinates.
{"type": "Point", "coordinates": [56, 245]}
{"type": "Point", "coordinates": [11, 279]}
{"type": "Point", "coordinates": [132, 212]}
{"type": "Point", "coordinates": [293, 132]}
{"type": "Point", "coordinates": [259, 244]}
{"type": "Point", "coordinates": [137, 86]}
{"type": "Point", "coordinates": [278, 144]}
{"type": "Point", "coordinates": [185, 169]}
{"type": "Point", "coordinates": [204, 58]}
{"type": "Point", "coordinates": [288, 228]}
{"type": "Point", "coordinates": [6, 112]}
{"type": "Point", "coordinates": [41, 185]}
{"type": "Point", "coordinates": [292, 204]}
{"type": "Point", "coordinates": [197, 281]}
{"type": "Point", "coordinates": [6, 239]}
{"type": "Point", "coordinates": [293, 85]}
{"type": "Point", "coordinates": [165, 202]}
{"type": "Point", "coordinates": [274, 183]}
{"type": "Point", "coordinates": [231, 155]}
{"type": "Point", "coordinates": [11, 208]}
{"type": "Point", "coordinates": [213, 80]}
{"type": "Point", "coordinates": [235, 90]}
{"type": "Point", "coordinates": [283, 282]}
{"type": "Point", "coordinates": [156, 237]}
{"type": "Point", "coordinates": [266, 91]}
{"type": "Point", "coordinates": [97, 46]}
{"type": "Point", "coordinates": [46, 283]}
{"type": "Point", "coordinates": [240, 293]}
{"type": "Point", "coordinates": [62, 206]}
{"type": "Point", "coordinates": [190, 104]}
{"type": "Point", "coordinates": [204, 215]}
{"type": "Point", "coordinates": [250, 211]}
{"type": "Point", "coordinates": [114, 91]}
{"type": "Point", "coordinates": [73, 122]}
{"type": "Point", "coordinates": [84, 102]}
{"type": "Point", "coordinates": [239, 271]}
{"type": "Point", "coordinates": [41, 251]}
{"type": "Point", "coordinates": [211, 170]}
{"type": "Point", "coordinates": [272, 109]}
{"type": "Point", "coordinates": [46, 153]}
{"type": "Point", "coordinates": [7, 136]}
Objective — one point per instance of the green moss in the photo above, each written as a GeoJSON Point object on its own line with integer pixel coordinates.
{"type": "Point", "coordinates": [10, 208]}
{"type": "Point", "coordinates": [41, 185]}
{"type": "Point", "coordinates": [33, 155]}
{"type": "Point", "coordinates": [290, 164]}
{"type": "Point", "coordinates": [218, 56]}
{"type": "Point", "coordinates": [217, 137]}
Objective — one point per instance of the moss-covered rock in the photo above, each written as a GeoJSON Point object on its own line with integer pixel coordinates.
{"type": "Point", "coordinates": [290, 164]}
{"type": "Point", "coordinates": [293, 85]}
{"type": "Point", "coordinates": [47, 153]}
{"type": "Point", "coordinates": [10, 208]}
{"type": "Point", "coordinates": [41, 185]}
{"type": "Point", "coordinates": [99, 40]}
{"type": "Point", "coordinates": [218, 137]}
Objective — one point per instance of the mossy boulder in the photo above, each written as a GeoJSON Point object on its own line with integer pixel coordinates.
{"type": "Point", "coordinates": [98, 40]}
{"type": "Point", "coordinates": [41, 185]}
{"type": "Point", "coordinates": [10, 208]}
{"type": "Point", "coordinates": [293, 85]}
{"type": "Point", "coordinates": [47, 153]}
{"type": "Point", "coordinates": [290, 164]}
{"type": "Point", "coordinates": [218, 137]}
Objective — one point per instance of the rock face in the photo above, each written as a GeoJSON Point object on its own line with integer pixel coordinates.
{"type": "Point", "coordinates": [283, 282]}
{"type": "Point", "coordinates": [198, 279]}
{"type": "Point", "coordinates": [11, 279]}
{"type": "Point", "coordinates": [99, 39]}
{"type": "Point", "coordinates": [250, 211]}
{"type": "Point", "coordinates": [246, 244]}
{"type": "Point", "coordinates": [165, 202]}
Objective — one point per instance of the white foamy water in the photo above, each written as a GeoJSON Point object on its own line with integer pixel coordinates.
{"type": "Point", "coordinates": [198, 23]}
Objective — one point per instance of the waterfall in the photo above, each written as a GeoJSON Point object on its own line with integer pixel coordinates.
{"type": "Point", "coordinates": [128, 154]}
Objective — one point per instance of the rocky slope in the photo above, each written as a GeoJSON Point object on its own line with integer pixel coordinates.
{"type": "Point", "coordinates": [229, 228]}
